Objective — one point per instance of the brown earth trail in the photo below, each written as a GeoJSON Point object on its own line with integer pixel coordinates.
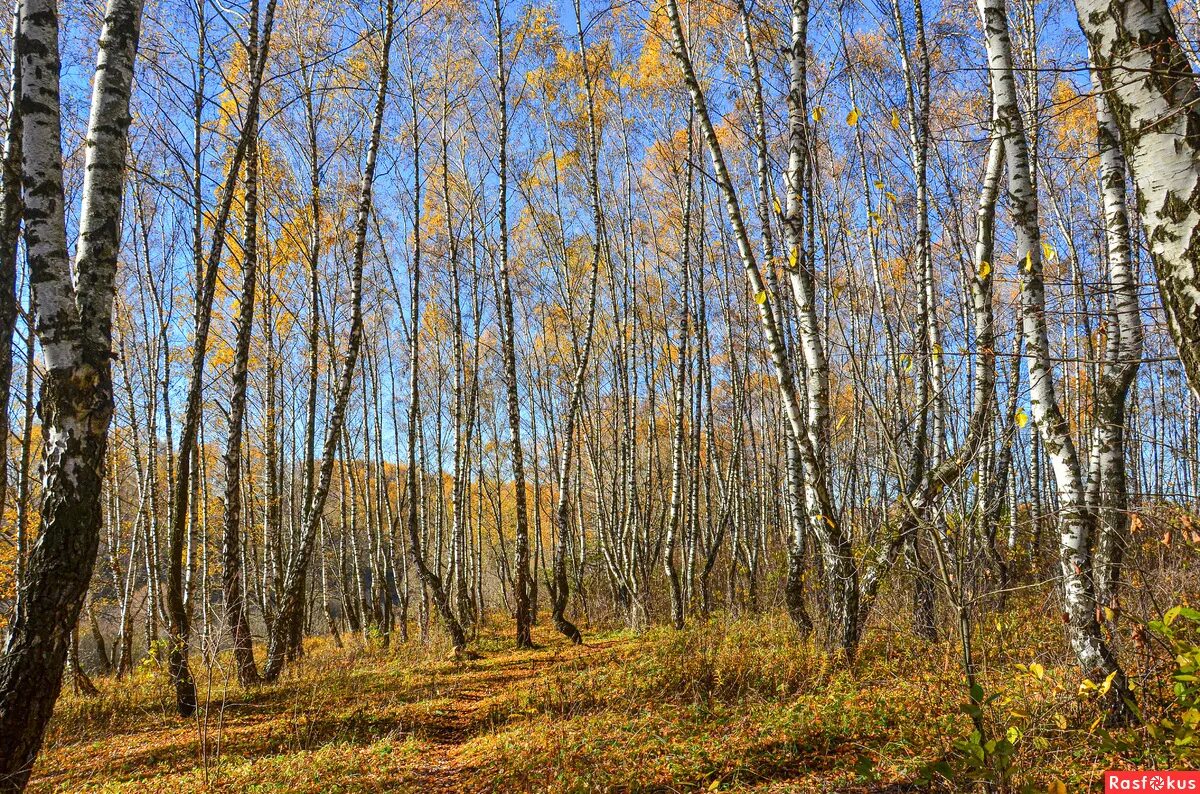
{"type": "Point", "coordinates": [352, 720]}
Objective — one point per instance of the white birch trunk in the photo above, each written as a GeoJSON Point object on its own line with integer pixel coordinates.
{"type": "Point", "coordinates": [1074, 520]}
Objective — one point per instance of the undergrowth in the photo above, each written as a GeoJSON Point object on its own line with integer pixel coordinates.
{"type": "Point", "coordinates": [724, 704]}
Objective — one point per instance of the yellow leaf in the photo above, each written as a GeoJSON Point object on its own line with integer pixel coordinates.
{"type": "Point", "coordinates": [778, 209]}
{"type": "Point", "coordinates": [1061, 721]}
{"type": "Point", "coordinates": [1048, 252]}
{"type": "Point", "coordinates": [1039, 672]}
{"type": "Point", "coordinates": [841, 421]}
{"type": "Point", "coordinates": [1022, 417]}
{"type": "Point", "coordinates": [1029, 261]}
{"type": "Point", "coordinates": [879, 184]}
{"type": "Point", "coordinates": [906, 362]}
{"type": "Point", "coordinates": [792, 254]}
{"type": "Point", "coordinates": [895, 120]}
{"type": "Point", "coordinates": [891, 196]}
{"type": "Point", "coordinates": [985, 269]}
{"type": "Point", "coordinates": [852, 117]}
{"type": "Point", "coordinates": [760, 297]}
{"type": "Point", "coordinates": [817, 113]}
{"type": "Point", "coordinates": [1108, 682]}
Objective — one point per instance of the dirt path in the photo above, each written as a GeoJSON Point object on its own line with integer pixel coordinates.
{"type": "Point", "coordinates": [477, 699]}
{"type": "Point", "coordinates": [333, 722]}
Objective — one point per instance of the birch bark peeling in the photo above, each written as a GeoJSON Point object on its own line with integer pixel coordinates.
{"type": "Point", "coordinates": [1151, 92]}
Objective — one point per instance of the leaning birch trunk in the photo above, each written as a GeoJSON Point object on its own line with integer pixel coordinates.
{"type": "Point", "coordinates": [1093, 654]}
{"type": "Point", "coordinates": [509, 354]}
{"type": "Point", "coordinates": [291, 603]}
{"type": "Point", "coordinates": [74, 326]}
{"type": "Point", "coordinates": [558, 584]}
{"type": "Point", "coordinates": [823, 520]}
{"type": "Point", "coordinates": [1110, 493]}
{"type": "Point", "coordinates": [840, 569]}
{"type": "Point", "coordinates": [231, 549]}
{"type": "Point", "coordinates": [1152, 96]}
{"type": "Point", "coordinates": [430, 577]}
{"type": "Point", "coordinates": [177, 609]}
{"type": "Point", "coordinates": [797, 546]}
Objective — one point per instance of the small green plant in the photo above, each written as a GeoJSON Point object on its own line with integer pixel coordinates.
{"type": "Point", "coordinates": [1169, 734]}
{"type": "Point", "coordinates": [980, 757]}
{"type": "Point", "coordinates": [155, 653]}
{"type": "Point", "coordinates": [1180, 728]}
{"type": "Point", "coordinates": [1010, 726]}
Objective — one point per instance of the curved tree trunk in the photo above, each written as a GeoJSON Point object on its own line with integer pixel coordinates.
{"type": "Point", "coordinates": [177, 608]}
{"type": "Point", "coordinates": [430, 576]}
{"type": "Point", "coordinates": [231, 549]}
{"type": "Point", "coordinates": [509, 354]}
{"type": "Point", "coordinates": [1108, 490]}
{"type": "Point", "coordinates": [558, 585]}
{"type": "Point", "coordinates": [291, 605]}
{"type": "Point", "coordinates": [1075, 520]}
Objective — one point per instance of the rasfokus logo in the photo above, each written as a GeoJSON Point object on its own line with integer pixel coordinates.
{"type": "Point", "coordinates": [1151, 781]}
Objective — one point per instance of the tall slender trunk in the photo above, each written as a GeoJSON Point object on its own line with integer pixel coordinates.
{"type": "Point", "coordinates": [509, 354]}
{"type": "Point", "coordinates": [930, 439]}
{"type": "Point", "coordinates": [558, 585]}
{"type": "Point", "coordinates": [670, 564]}
{"type": "Point", "coordinates": [840, 569]}
{"type": "Point", "coordinates": [431, 580]}
{"type": "Point", "coordinates": [291, 605]}
{"type": "Point", "coordinates": [231, 549]}
{"type": "Point", "coordinates": [177, 608]}
{"type": "Point", "coordinates": [1075, 520]}
{"type": "Point", "coordinates": [1108, 488]}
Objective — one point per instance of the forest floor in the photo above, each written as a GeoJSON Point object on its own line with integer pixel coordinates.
{"type": "Point", "coordinates": [726, 705]}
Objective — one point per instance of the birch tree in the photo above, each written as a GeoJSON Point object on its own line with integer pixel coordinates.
{"type": "Point", "coordinates": [1108, 489]}
{"type": "Point", "coordinates": [231, 550]}
{"type": "Point", "coordinates": [1075, 519]}
{"type": "Point", "coordinates": [294, 591]}
{"type": "Point", "coordinates": [74, 327]}
{"type": "Point", "coordinates": [558, 584]}
{"type": "Point", "coordinates": [1153, 98]}
{"type": "Point", "coordinates": [508, 351]}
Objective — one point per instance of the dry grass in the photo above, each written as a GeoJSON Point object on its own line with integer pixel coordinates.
{"type": "Point", "coordinates": [743, 704]}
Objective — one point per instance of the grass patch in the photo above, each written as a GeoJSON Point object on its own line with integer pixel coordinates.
{"type": "Point", "coordinates": [724, 704]}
